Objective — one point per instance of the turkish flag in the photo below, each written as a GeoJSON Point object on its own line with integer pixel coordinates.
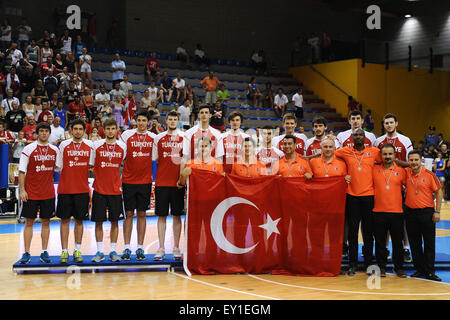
{"type": "Point", "coordinates": [265, 225]}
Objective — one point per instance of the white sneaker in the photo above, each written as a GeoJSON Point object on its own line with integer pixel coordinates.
{"type": "Point", "coordinates": [159, 255]}
{"type": "Point", "coordinates": [176, 253]}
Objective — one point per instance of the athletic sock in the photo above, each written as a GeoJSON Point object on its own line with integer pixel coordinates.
{"type": "Point", "coordinates": [43, 250]}
{"type": "Point", "coordinates": [140, 246]}
{"type": "Point", "coordinates": [127, 246]}
{"type": "Point", "coordinates": [64, 250]}
{"type": "Point", "coordinates": [78, 246]}
{"type": "Point", "coordinates": [113, 246]}
{"type": "Point", "coordinates": [100, 246]}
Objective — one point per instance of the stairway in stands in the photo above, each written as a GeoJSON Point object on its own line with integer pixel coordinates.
{"type": "Point", "coordinates": [235, 77]}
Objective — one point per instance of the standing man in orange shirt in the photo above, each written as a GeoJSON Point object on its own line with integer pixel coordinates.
{"type": "Point", "coordinates": [291, 165]}
{"type": "Point", "coordinates": [421, 215]}
{"type": "Point", "coordinates": [249, 166]}
{"type": "Point", "coordinates": [388, 179]}
{"type": "Point", "coordinates": [327, 165]}
{"type": "Point", "coordinates": [210, 84]}
{"type": "Point", "coordinates": [360, 161]}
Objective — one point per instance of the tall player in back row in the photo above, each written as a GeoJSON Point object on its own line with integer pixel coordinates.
{"type": "Point", "coordinates": [313, 145]}
{"type": "Point", "coordinates": [73, 187]}
{"type": "Point", "coordinates": [345, 139]}
{"type": "Point", "coordinates": [36, 168]}
{"type": "Point", "coordinates": [232, 141]}
{"type": "Point", "coordinates": [289, 125]}
{"type": "Point", "coordinates": [137, 182]}
{"type": "Point", "coordinates": [168, 152]}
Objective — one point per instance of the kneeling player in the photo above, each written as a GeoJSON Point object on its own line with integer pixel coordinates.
{"type": "Point", "coordinates": [107, 195]}
{"type": "Point", "coordinates": [73, 188]}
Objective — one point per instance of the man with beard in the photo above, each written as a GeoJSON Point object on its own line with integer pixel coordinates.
{"type": "Point", "coordinates": [313, 145]}
{"type": "Point", "coordinates": [345, 139]}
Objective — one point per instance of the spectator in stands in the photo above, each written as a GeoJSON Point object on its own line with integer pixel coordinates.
{"type": "Point", "coordinates": [64, 78]}
{"type": "Point", "coordinates": [153, 110]}
{"type": "Point", "coordinates": [89, 107]}
{"type": "Point", "coordinates": [61, 113]}
{"type": "Point", "coordinates": [78, 48]}
{"type": "Point", "coordinates": [39, 91]}
{"type": "Point", "coordinates": [38, 106]}
{"type": "Point", "coordinates": [280, 103]}
{"type": "Point", "coordinates": [179, 86]}
{"type": "Point", "coordinates": [326, 47]}
{"type": "Point", "coordinates": [94, 136]}
{"type": "Point", "coordinates": [24, 33]}
{"type": "Point", "coordinates": [223, 96]}
{"type": "Point", "coordinates": [210, 84]}
{"type": "Point", "coordinates": [14, 53]}
{"type": "Point", "coordinates": [25, 74]}
{"type": "Point", "coordinates": [331, 134]}
{"type": "Point", "coordinates": [75, 109]}
{"type": "Point", "coordinates": [6, 137]}
{"type": "Point", "coordinates": [126, 85]}
{"type": "Point", "coordinates": [217, 120]}
{"type": "Point", "coordinates": [151, 69]}
{"type": "Point", "coordinates": [57, 132]}
{"type": "Point", "coordinates": [118, 66]}
{"type": "Point", "coordinates": [431, 138]}
{"type": "Point", "coordinates": [253, 93]}
{"type": "Point", "coordinates": [439, 168]}
{"type": "Point", "coordinates": [7, 101]}
{"type": "Point", "coordinates": [6, 32]}
{"type": "Point", "coordinates": [48, 65]}
{"type": "Point", "coordinates": [130, 107]}
{"type": "Point", "coordinates": [102, 99]}
{"type": "Point", "coordinates": [297, 99]}
{"type": "Point", "coordinates": [268, 95]}
{"type": "Point", "coordinates": [146, 101]}
{"type": "Point", "coordinates": [301, 129]}
{"type": "Point", "coordinates": [32, 53]}
{"type": "Point", "coordinates": [29, 128]}
{"type": "Point", "coordinates": [85, 61]}
{"type": "Point", "coordinates": [118, 108]}
{"type": "Point", "coordinates": [155, 127]}
{"type": "Point", "coordinates": [117, 91]}
{"type": "Point", "coordinates": [154, 93]}
{"type": "Point", "coordinates": [70, 93]}
{"type": "Point", "coordinates": [69, 62]}
{"type": "Point", "coordinates": [368, 121]}
{"type": "Point", "coordinates": [50, 37]}
{"type": "Point", "coordinates": [166, 87]}
{"type": "Point", "coordinates": [59, 64]}
{"type": "Point", "coordinates": [45, 52]}
{"type": "Point", "coordinates": [53, 102]}
{"type": "Point", "coordinates": [79, 85]}
{"type": "Point", "coordinates": [18, 146]}
{"type": "Point", "coordinates": [182, 54]}
{"type": "Point", "coordinates": [352, 104]}
{"type": "Point", "coordinates": [190, 93]}
{"type": "Point", "coordinates": [446, 156]}
{"type": "Point", "coordinates": [50, 83]}
{"type": "Point", "coordinates": [65, 42]}
{"type": "Point", "coordinates": [200, 57]}
{"type": "Point", "coordinates": [314, 43]}
{"type": "Point", "coordinates": [257, 61]}
{"type": "Point", "coordinates": [15, 118]}
{"type": "Point", "coordinates": [441, 140]}
{"type": "Point", "coordinates": [13, 82]}
{"type": "Point", "coordinates": [29, 108]}
{"type": "Point", "coordinates": [185, 115]}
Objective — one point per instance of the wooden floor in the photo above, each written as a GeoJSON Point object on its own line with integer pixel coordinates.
{"type": "Point", "coordinates": [176, 285]}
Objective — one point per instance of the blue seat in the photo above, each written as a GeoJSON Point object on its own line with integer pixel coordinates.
{"type": "Point", "coordinates": [148, 54]}
{"type": "Point", "coordinates": [138, 53]}
{"type": "Point", "coordinates": [116, 50]}
{"type": "Point", "coordinates": [169, 57]}
{"type": "Point", "coordinates": [105, 50]}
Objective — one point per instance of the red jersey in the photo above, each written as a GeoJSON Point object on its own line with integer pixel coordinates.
{"type": "Point", "coordinates": [233, 149]}
{"type": "Point", "coordinates": [43, 117]}
{"type": "Point", "coordinates": [74, 165]}
{"type": "Point", "coordinates": [401, 143]}
{"type": "Point", "coordinates": [131, 106]}
{"type": "Point", "coordinates": [152, 64]}
{"type": "Point", "coordinates": [190, 142]}
{"type": "Point", "coordinates": [137, 168]}
{"type": "Point", "coordinates": [76, 107]}
{"type": "Point", "coordinates": [345, 139]}
{"type": "Point", "coordinates": [38, 162]}
{"type": "Point", "coordinates": [106, 161]}
{"type": "Point", "coordinates": [28, 131]}
{"type": "Point", "coordinates": [313, 147]}
{"type": "Point", "coordinates": [300, 141]}
{"type": "Point", "coordinates": [168, 151]}
{"type": "Point", "coordinates": [6, 135]}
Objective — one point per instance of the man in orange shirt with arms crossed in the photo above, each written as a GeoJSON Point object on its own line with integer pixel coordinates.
{"type": "Point", "coordinates": [421, 215]}
{"type": "Point", "coordinates": [388, 179]}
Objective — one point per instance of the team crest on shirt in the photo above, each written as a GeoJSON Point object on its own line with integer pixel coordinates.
{"type": "Point", "coordinates": [256, 169]}
{"type": "Point", "coordinates": [368, 154]}
{"type": "Point", "coordinates": [336, 169]}
{"type": "Point", "coordinates": [214, 168]}
{"type": "Point", "coordinates": [396, 174]}
{"type": "Point", "coordinates": [300, 167]}
{"type": "Point", "coordinates": [423, 180]}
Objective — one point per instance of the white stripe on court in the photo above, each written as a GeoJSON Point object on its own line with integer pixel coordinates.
{"type": "Point", "coordinates": [224, 288]}
{"type": "Point", "coordinates": [353, 292]}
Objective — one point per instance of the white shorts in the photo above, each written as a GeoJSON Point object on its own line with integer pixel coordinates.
{"type": "Point", "coordinates": [85, 69]}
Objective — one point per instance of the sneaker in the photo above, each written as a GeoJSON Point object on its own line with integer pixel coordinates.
{"type": "Point", "coordinates": [114, 257]}
{"type": "Point", "coordinates": [45, 257]}
{"type": "Point", "coordinates": [64, 257]}
{"type": "Point", "coordinates": [406, 256]}
{"type": "Point", "coordinates": [77, 258]}
{"type": "Point", "coordinates": [400, 273]}
{"type": "Point", "coordinates": [140, 254]}
{"type": "Point", "coordinates": [99, 256]}
{"type": "Point", "coordinates": [159, 255]}
{"type": "Point", "coordinates": [351, 271]}
{"type": "Point", "coordinates": [382, 272]}
{"type": "Point", "coordinates": [417, 274]}
{"type": "Point", "coordinates": [126, 255]}
{"type": "Point", "coordinates": [433, 277]}
{"type": "Point", "coordinates": [176, 253]}
{"type": "Point", "coordinates": [26, 257]}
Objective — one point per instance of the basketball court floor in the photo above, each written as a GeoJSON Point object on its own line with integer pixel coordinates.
{"type": "Point", "coordinates": [175, 285]}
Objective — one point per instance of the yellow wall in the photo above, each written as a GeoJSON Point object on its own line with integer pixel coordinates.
{"type": "Point", "coordinates": [418, 98]}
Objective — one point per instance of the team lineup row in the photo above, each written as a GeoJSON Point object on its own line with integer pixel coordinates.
{"type": "Point", "coordinates": [202, 147]}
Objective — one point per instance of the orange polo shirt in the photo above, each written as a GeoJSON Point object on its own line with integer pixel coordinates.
{"type": "Point", "coordinates": [361, 183]}
{"type": "Point", "coordinates": [253, 170]}
{"type": "Point", "coordinates": [211, 84]}
{"type": "Point", "coordinates": [297, 168]}
{"type": "Point", "coordinates": [427, 183]}
{"type": "Point", "coordinates": [212, 165]}
{"type": "Point", "coordinates": [388, 199]}
{"type": "Point", "coordinates": [321, 168]}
